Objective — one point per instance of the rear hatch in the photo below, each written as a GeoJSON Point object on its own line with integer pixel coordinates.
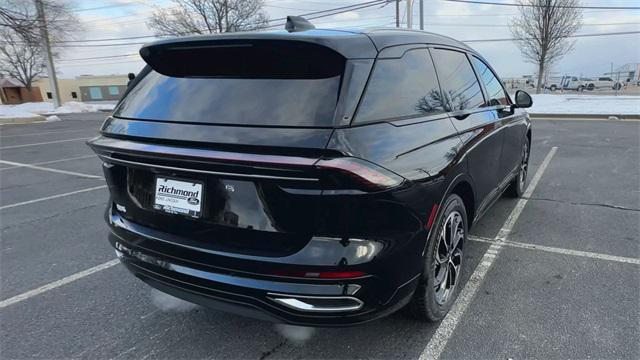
{"type": "Point", "coordinates": [224, 142]}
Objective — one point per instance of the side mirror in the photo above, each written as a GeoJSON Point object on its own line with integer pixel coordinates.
{"type": "Point", "coordinates": [523, 99]}
{"type": "Point", "coordinates": [131, 76]}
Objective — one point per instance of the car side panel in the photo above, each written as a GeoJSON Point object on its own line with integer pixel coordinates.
{"type": "Point", "coordinates": [515, 127]}
{"type": "Point", "coordinates": [482, 136]}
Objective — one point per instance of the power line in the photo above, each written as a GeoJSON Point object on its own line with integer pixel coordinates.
{"type": "Point", "coordinates": [465, 41]}
{"type": "Point", "coordinates": [572, 36]}
{"type": "Point", "coordinates": [133, 3]}
{"type": "Point", "coordinates": [534, 5]}
{"type": "Point", "coordinates": [343, 20]}
{"type": "Point", "coordinates": [351, 8]}
{"type": "Point", "coordinates": [101, 57]}
{"type": "Point", "coordinates": [505, 26]}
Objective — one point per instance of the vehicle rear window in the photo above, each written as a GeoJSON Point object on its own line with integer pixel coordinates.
{"type": "Point", "coordinates": [401, 88]}
{"type": "Point", "coordinates": [458, 80]}
{"type": "Point", "coordinates": [276, 102]}
{"type": "Point", "coordinates": [265, 84]}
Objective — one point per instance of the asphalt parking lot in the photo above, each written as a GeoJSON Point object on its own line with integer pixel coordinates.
{"type": "Point", "coordinates": [553, 275]}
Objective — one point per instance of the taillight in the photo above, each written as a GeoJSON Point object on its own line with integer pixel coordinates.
{"type": "Point", "coordinates": [368, 175]}
{"type": "Point", "coordinates": [320, 274]}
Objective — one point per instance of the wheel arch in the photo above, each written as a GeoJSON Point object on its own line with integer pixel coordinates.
{"type": "Point", "coordinates": [462, 185]}
{"type": "Point", "coordinates": [464, 189]}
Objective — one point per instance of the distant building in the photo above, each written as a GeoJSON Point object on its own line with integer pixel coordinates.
{"type": "Point", "coordinates": [87, 88]}
{"type": "Point", "coordinates": [629, 71]}
{"type": "Point", "coordinates": [13, 92]}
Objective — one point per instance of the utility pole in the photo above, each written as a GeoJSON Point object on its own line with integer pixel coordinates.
{"type": "Point", "coordinates": [421, 14]}
{"type": "Point", "coordinates": [226, 15]}
{"type": "Point", "coordinates": [46, 47]}
{"type": "Point", "coordinates": [409, 14]}
{"type": "Point", "coordinates": [397, 13]}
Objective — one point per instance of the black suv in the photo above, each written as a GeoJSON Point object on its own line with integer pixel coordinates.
{"type": "Point", "coordinates": [313, 177]}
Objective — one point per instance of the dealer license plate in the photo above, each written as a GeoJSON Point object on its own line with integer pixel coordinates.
{"type": "Point", "coordinates": [178, 197]}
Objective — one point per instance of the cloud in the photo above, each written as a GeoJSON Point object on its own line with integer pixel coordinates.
{"type": "Point", "coordinates": [349, 15]}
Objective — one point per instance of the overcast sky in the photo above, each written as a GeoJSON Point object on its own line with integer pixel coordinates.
{"type": "Point", "coordinates": [591, 56]}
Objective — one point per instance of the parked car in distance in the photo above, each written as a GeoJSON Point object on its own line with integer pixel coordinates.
{"type": "Point", "coordinates": [312, 177]}
{"type": "Point", "coordinates": [554, 83]}
{"type": "Point", "coordinates": [603, 83]}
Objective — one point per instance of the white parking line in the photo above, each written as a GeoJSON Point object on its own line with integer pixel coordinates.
{"type": "Point", "coordinates": [35, 167]}
{"type": "Point", "coordinates": [52, 197]}
{"type": "Point", "coordinates": [42, 143]}
{"type": "Point", "coordinates": [50, 162]}
{"type": "Point", "coordinates": [48, 132]}
{"type": "Point", "coordinates": [444, 331]}
{"type": "Point", "coordinates": [58, 283]}
{"type": "Point", "coordinates": [563, 251]}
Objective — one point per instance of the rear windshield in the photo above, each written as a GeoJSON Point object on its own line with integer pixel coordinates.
{"type": "Point", "coordinates": [277, 102]}
{"type": "Point", "coordinates": [257, 84]}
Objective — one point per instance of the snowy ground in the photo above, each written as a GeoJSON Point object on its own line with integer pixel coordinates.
{"type": "Point", "coordinates": [585, 104]}
{"type": "Point", "coordinates": [29, 110]}
{"type": "Point", "coordinates": [542, 104]}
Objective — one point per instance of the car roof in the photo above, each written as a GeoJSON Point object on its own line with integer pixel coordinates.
{"type": "Point", "coordinates": [350, 43]}
{"type": "Point", "coordinates": [385, 37]}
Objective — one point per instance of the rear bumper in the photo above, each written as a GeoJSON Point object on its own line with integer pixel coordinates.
{"type": "Point", "coordinates": [312, 302]}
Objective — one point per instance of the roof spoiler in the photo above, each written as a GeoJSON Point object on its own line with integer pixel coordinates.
{"type": "Point", "coordinates": [297, 23]}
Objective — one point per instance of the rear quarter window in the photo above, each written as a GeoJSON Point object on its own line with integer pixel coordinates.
{"type": "Point", "coordinates": [495, 91]}
{"type": "Point", "coordinates": [458, 80]}
{"type": "Point", "coordinates": [400, 88]}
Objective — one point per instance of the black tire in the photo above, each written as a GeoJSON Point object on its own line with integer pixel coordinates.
{"type": "Point", "coordinates": [591, 87]}
{"type": "Point", "coordinates": [432, 302]}
{"type": "Point", "coordinates": [617, 86]}
{"type": "Point", "coordinates": [580, 88]}
{"type": "Point", "coordinates": [553, 88]}
{"type": "Point", "coordinates": [517, 185]}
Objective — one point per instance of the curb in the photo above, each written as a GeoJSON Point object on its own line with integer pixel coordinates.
{"type": "Point", "coordinates": [22, 120]}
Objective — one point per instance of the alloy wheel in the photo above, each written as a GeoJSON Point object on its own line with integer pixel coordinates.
{"type": "Point", "coordinates": [448, 257]}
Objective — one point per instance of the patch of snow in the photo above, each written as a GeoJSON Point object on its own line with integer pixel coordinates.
{"type": "Point", "coordinates": [80, 107]}
{"type": "Point", "coordinates": [585, 104]}
{"type": "Point", "coordinates": [32, 109]}
{"type": "Point", "coordinates": [53, 118]}
{"type": "Point", "coordinates": [26, 110]}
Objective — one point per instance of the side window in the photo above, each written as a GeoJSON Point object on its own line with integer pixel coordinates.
{"type": "Point", "coordinates": [401, 88]}
{"type": "Point", "coordinates": [495, 92]}
{"type": "Point", "coordinates": [458, 80]}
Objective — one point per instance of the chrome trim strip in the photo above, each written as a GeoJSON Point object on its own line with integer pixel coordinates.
{"type": "Point", "coordinates": [173, 168]}
{"type": "Point", "coordinates": [296, 302]}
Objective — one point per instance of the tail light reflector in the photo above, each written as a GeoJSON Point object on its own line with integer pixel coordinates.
{"type": "Point", "coordinates": [367, 174]}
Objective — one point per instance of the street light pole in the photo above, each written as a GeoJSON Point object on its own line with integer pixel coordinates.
{"type": "Point", "coordinates": [421, 14]}
{"type": "Point", "coordinates": [46, 47]}
{"type": "Point", "coordinates": [397, 13]}
{"type": "Point", "coordinates": [409, 14]}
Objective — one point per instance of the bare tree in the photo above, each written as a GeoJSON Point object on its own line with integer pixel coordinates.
{"type": "Point", "coordinates": [543, 28]}
{"type": "Point", "coordinates": [21, 53]}
{"type": "Point", "coordinates": [18, 17]}
{"type": "Point", "coordinates": [208, 16]}
{"type": "Point", "coordinates": [20, 60]}
{"type": "Point", "coordinates": [21, 17]}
